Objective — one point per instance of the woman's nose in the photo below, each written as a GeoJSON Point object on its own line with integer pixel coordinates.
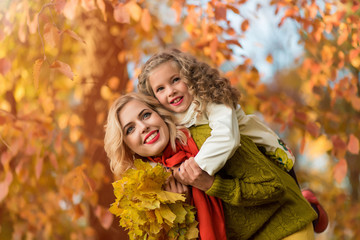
{"type": "Point", "coordinates": [144, 127]}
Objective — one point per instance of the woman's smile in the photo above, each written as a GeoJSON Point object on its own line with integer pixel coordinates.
{"type": "Point", "coordinates": [152, 137]}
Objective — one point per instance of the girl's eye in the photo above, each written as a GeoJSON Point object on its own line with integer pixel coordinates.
{"type": "Point", "coordinates": [146, 115]}
{"type": "Point", "coordinates": [159, 89]}
{"type": "Point", "coordinates": [176, 79]}
{"type": "Point", "coordinates": [129, 130]}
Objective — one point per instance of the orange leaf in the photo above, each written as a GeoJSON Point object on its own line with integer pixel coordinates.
{"type": "Point", "coordinates": [355, 102]}
{"type": "Point", "coordinates": [121, 15]}
{"type": "Point", "coordinates": [245, 25]}
{"type": "Point", "coordinates": [213, 48]}
{"type": "Point", "coordinates": [353, 144]}
{"type": "Point", "coordinates": [39, 167]}
{"type": "Point", "coordinates": [90, 182]}
{"type": "Point", "coordinates": [5, 66]}
{"type": "Point", "coordinates": [340, 170]}
{"type": "Point", "coordinates": [354, 57]}
{"type": "Point", "coordinates": [134, 10]}
{"type": "Point", "coordinates": [36, 71]}
{"type": "Point", "coordinates": [73, 35]}
{"type": "Point", "coordinates": [32, 24]}
{"type": "Point", "coordinates": [51, 34]}
{"type": "Point", "coordinates": [146, 20]}
{"type": "Point", "coordinates": [70, 9]}
{"type": "Point", "coordinates": [53, 161]}
{"type": "Point", "coordinates": [88, 5]}
{"type": "Point", "coordinates": [63, 68]}
{"type": "Point", "coordinates": [269, 59]}
{"type": "Point", "coordinates": [104, 216]}
{"type": "Point", "coordinates": [302, 144]}
{"type": "Point", "coordinates": [4, 185]}
{"type": "Point", "coordinates": [313, 10]}
{"type": "Point", "coordinates": [233, 41]}
{"type": "Point", "coordinates": [177, 6]}
{"type": "Point", "coordinates": [102, 8]}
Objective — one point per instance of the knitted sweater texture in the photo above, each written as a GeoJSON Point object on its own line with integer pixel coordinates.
{"type": "Point", "coordinates": [260, 200]}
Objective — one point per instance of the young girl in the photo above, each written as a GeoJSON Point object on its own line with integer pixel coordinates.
{"type": "Point", "coordinates": [198, 95]}
{"type": "Point", "coordinates": [260, 200]}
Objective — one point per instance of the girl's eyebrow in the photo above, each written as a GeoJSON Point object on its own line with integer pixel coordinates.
{"type": "Point", "coordinates": [140, 113]}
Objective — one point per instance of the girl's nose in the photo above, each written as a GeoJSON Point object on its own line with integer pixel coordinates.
{"type": "Point", "coordinates": [171, 91]}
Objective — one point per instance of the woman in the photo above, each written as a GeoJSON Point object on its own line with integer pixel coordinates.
{"type": "Point", "coordinates": [260, 200]}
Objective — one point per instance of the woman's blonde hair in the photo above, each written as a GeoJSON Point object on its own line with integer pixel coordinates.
{"type": "Point", "coordinates": [204, 81]}
{"type": "Point", "coordinates": [120, 155]}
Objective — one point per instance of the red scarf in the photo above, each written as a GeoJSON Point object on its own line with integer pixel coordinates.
{"type": "Point", "coordinates": [209, 209]}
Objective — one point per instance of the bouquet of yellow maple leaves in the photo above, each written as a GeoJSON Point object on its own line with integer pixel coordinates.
{"type": "Point", "coordinates": [149, 212]}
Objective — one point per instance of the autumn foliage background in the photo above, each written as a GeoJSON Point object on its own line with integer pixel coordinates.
{"type": "Point", "coordinates": [63, 62]}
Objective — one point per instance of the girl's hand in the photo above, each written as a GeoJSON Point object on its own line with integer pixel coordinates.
{"type": "Point", "coordinates": [172, 185]}
{"type": "Point", "coordinates": [189, 173]}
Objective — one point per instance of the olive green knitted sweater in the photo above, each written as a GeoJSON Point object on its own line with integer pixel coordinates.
{"type": "Point", "coordinates": [260, 200]}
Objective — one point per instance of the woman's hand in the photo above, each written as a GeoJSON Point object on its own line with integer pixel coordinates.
{"type": "Point", "coordinates": [189, 173]}
{"type": "Point", "coordinates": [172, 185]}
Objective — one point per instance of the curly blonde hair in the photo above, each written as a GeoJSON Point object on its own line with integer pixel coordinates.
{"type": "Point", "coordinates": [204, 81]}
{"type": "Point", "coordinates": [120, 155]}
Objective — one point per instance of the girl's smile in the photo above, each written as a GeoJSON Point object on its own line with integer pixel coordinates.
{"type": "Point", "coordinates": [145, 132]}
{"type": "Point", "coordinates": [169, 88]}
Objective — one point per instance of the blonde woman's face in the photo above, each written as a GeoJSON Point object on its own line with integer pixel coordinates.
{"type": "Point", "coordinates": [145, 132]}
{"type": "Point", "coordinates": [169, 88]}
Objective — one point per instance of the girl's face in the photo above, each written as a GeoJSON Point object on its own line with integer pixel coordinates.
{"type": "Point", "coordinates": [145, 132]}
{"type": "Point", "coordinates": [169, 88]}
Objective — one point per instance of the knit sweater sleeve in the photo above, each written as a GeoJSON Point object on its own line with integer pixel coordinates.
{"type": "Point", "coordinates": [246, 179]}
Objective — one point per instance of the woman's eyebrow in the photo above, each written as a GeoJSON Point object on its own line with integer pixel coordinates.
{"type": "Point", "coordinates": [140, 113]}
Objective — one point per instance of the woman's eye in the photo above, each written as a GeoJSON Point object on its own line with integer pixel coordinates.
{"type": "Point", "coordinates": [146, 115]}
{"type": "Point", "coordinates": [129, 130]}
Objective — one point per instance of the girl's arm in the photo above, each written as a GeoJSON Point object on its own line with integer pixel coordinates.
{"type": "Point", "coordinates": [223, 141]}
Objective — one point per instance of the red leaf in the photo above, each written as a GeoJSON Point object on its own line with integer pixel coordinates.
{"type": "Point", "coordinates": [5, 66]}
{"type": "Point", "coordinates": [353, 144]}
{"type": "Point", "coordinates": [104, 216]}
{"type": "Point", "coordinates": [121, 14]}
{"type": "Point", "coordinates": [340, 170]}
{"type": "Point", "coordinates": [313, 129]}
{"type": "Point", "coordinates": [73, 35]}
{"type": "Point", "coordinates": [63, 68]}
{"type": "Point", "coordinates": [339, 146]}
{"type": "Point", "coordinates": [51, 34]}
{"type": "Point", "coordinates": [220, 12]}
{"type": "Point", "coordinates": [59, 5]}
